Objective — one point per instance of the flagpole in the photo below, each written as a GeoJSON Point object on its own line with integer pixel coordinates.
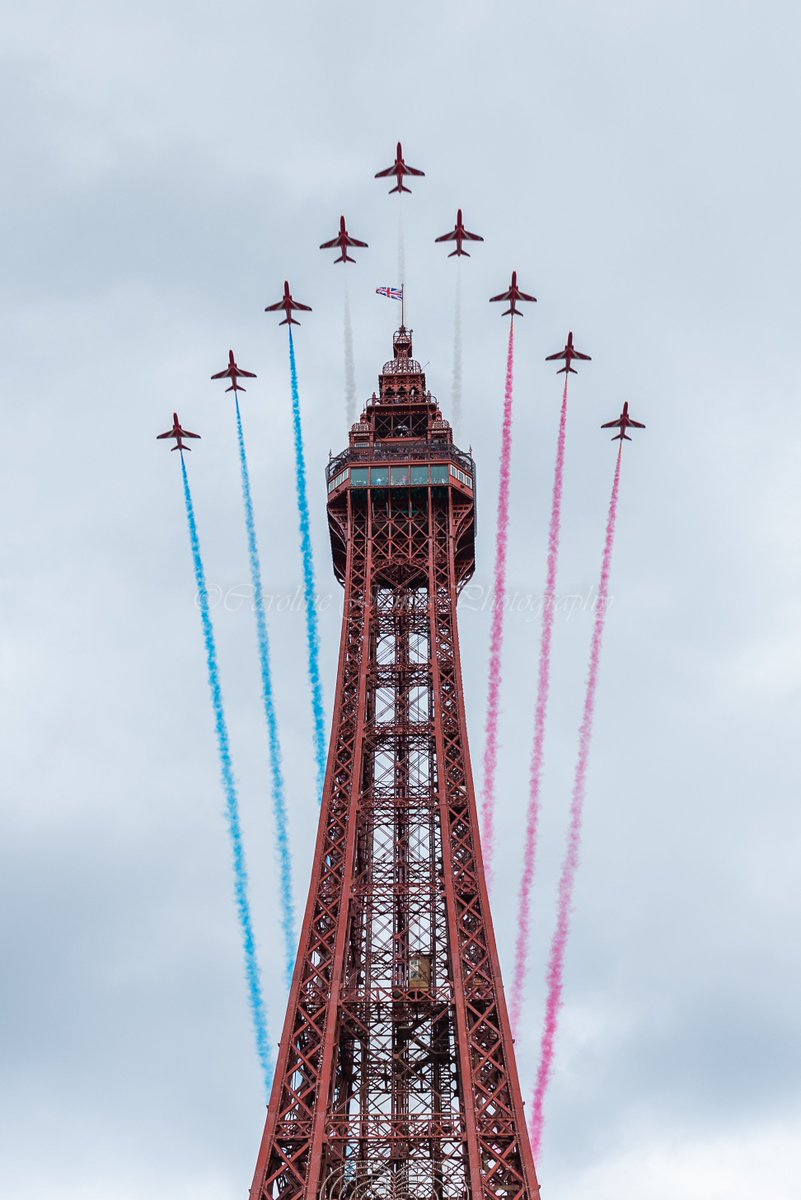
{"type": "Point", "coordinates": [402, 293]}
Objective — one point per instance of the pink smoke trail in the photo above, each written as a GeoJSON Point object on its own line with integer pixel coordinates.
{"type": "Point", "coordinates": [540, 717]}
{"type": "Point", "coordinates": [498, 611]}
{"type": "Point", "coordinates": [571, 861]}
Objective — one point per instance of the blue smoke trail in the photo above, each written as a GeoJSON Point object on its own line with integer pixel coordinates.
{"type": "Point", "coordinates": [268, 695]}
{"type": "Point", "coordinates": [309, 585]}
{"type": "Point", "coordinates": [253, 975]}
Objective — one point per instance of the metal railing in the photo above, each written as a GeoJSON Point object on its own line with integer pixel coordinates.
{"type": "Point", "coordinates": [411, 451]}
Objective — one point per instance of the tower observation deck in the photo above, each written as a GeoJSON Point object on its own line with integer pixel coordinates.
{"type": "Point", "coordinates": [396, 1077]}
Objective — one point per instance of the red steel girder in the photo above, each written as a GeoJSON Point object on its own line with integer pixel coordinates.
{"type": "Point", "coordinates": [396, 1077]}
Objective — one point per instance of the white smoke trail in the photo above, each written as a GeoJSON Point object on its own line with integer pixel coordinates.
{"type": "Point", "coordinates": [401, 245]}
{"type": "Point", "coordinates": [350, 370]}
{"type": "Point", "coordinates": [457, 356]}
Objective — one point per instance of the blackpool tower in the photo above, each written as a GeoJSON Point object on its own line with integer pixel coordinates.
{"type": "Point", "coordinates": [396, 1077]}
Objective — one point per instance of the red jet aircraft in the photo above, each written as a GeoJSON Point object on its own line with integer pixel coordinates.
{"type": "Point", "coordinates": [177, 433]}
{"type": "Point", "coordinates": [288, 305]}
{"type": "Point", "coordinates": [398, 169]}
{"type": "Point", "coordinates": [513, 294]}
{"type": "Point", "coordinates": [623, 423]}
{"type": "Point", "coordinates": [459, 234]}
{"type": "Point", "coordinates": [233, 372]}
{"type": "Point", "coordinates": [568, 354]}
{"type": "Point", "coordinates": [343, 240]}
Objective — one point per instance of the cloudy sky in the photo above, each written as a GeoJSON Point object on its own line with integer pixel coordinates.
{"type": "Point", "coordinates": [166, 166]}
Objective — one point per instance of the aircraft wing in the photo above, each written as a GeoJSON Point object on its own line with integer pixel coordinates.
{"type": "Point", "coordinates": [330, 245]}
{"type": "Point", "coordinates": [297, 304]}
{"type": "Point", "coordinates": [169, 433]}
{"type": "Point", "coordinates": [525, 296]}
{"type": "Point", "coordinates": [472, 237]}
{"type": "Point", "coordinates": [502, 296]}
{"type": "Point", "coordinates": [636, 424]}
{"type": "Point", "coordinates": [447, 237]}
{"type": "Point", "coordinates": [613, 424]}
{"type": "Point", "coordinates": [222, 374]}
{"type": "Point", "coordinates": [558, 356]}
{"type": "Point", "coordinates": [247, 374]}
{"type": "Point", "coordinates": [385, 174]}
{"type": "Point", "coordinates": [583, 357]}
{"type": "Point", "coordinates": [412, 170]}
{"type": "Point", "coordinates": [355, 242]}
{"type": "Point", "coordinates": [274, 307]}
{"type": "Point", "coordinates": [186, 433]}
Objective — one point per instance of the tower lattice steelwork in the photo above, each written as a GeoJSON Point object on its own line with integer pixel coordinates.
{"type": "Point", "coordinates": [396, 1077]}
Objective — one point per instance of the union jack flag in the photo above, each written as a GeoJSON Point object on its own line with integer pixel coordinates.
{"type": "Point", "coordinates": [391, 293]}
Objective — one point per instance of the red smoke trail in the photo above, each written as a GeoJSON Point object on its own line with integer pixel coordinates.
{"type": "Point", "coordinates": [498, 610]}
{"type": "Point", "coordinates": [571, 861]}
{"type": "Point", "coordinates": [540, 716]}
